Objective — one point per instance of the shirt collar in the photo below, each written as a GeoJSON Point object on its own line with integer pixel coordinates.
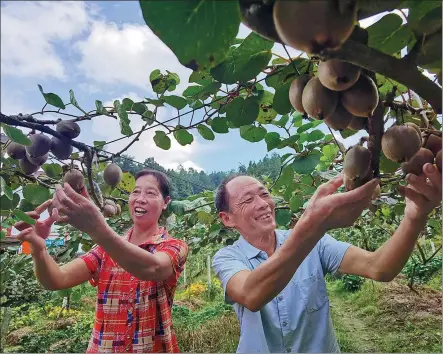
{"type": "Point", "coordinates": [251, 251]}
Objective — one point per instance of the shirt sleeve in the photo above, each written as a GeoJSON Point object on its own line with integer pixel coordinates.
{"type": "Point", "coordinates": [226, 264]}
{"type": "Point", "coordinates": [177, 251]}
{"type": "Point", "coordinates": [331, 253]}
{"type": "Point", "coordinates": [93, 259]}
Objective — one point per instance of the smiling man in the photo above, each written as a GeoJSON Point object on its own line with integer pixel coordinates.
{"type": "Point", "coordinates": [275, 278]}
{"type": "Point", "coordinates": [136, 275]}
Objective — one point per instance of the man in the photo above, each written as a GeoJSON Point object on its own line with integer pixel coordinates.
{"type": "Point", "coordinates": [275, 278]}
{"type": "Point", "coordinates": [136, 275]}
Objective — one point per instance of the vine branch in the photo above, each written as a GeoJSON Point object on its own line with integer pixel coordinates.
{"type": "Point", "coordinates": [88, 158]}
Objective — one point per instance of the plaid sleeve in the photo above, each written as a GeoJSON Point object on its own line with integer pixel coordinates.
{"type": "Point", "coordinates": [93, 259]}
{"type": "Point", "coordinates": [177, 251]}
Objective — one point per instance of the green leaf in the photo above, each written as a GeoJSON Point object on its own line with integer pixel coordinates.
{"type": "Point", "coordinates": [158, 85]}
{"type": "Point", "coordinates": [75, 103]}
{"type": "Point", "coordinates": [99, 143]}
{"type": "Point", "coordinates": [140, 108]}
{"type": "Point", "coordinates": [283, 217]}
{"type": "Point", "coordinates": [162, 140]}
{"type": "Point", "coordinates": [201, 77]}
{"type": "Point", "coordinates": [198, 32]}
{"type": "Point", "coordinates": [52, 99]}
{"type": "Point", "coordinates": [286, 178]}
{"type": "Point", "coordinates": [23, 217]}
{"type": "Point", "coordinates": [219, 125]}
{"type": "Point", "coordinates": [192, 91]}
{"type": "Point", "coordinates": [175, 101]}
{"type": "Point", "coordinates": [316, 135]}
{"type": "Point", "coordinates": [205, 217]}
{"type": "Point", "coordinates": [6, 190]}
{"type": "Point", "coordinates": [287, 74]}
{"type": "Point", "coordinates": [281, 103]}
{"type": "Point", "coordinates": [53, 170]}
{"type": "Point", "coordinates": [252, 133]}
{"type": "Point", "coordinates": [127, 104]}
{"type": "Point", "coordinates": [182, 136]}
{"type": "Point", "coordinates": [272, 140]}
{"type": "Point", "coordinates": [205, 132]}
{"type": "Point", "coordinates": [266, 113]}
{"type": "Point", "coordinates": [297, 120]}
{"type": "Point", "coordinates": [388, 166]}
{"type": "Point", "coordinates": [305, 127]}
{"type": "Point", "coordinates": [385, 86]}
{"type": "Point", "coordinates": [244, 62]}
{"type": "Point", "coordinates": [36, 194]}
{"type": "Point", "coordinates": [424, 16]}
{"type": "Point", "coordinates": [330, 151]}
{"type": "Point", "coordinates": [125, 128]}
{"type": "Point", "coordinates": [295, 203]}
{"type": "Point", "coordinates": [306, 164]}
{"type": "Point", "coordinates": [147, 117]}
{"type": "Point", "coordinates": [100, 109]}
{"type": "Point", "coordinates": [292, 140]}
{"type": "Point", "coordinates": [157, 103]}
{"type": "Point", "coordinates": [242, 112]}
{"type": "Point", "coordinates": [127, 183]}
{"type": "Point", "coordinates": [7, 204]}
{"type": "Point", "coordinates": [16, 135]}
{"type": "Point", "coordinates": [346, 133]}
{"type": "Point", "coordinates": [282, 122]}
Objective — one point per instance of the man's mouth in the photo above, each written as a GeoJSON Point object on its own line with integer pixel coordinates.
{"type": "Point", "coordinates": [264, 216]}
{"type": "Point", "coordinates": [140, 211]}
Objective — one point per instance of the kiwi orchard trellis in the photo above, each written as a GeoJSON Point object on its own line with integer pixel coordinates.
{"type": "Point", "coordinates": [341, 61]}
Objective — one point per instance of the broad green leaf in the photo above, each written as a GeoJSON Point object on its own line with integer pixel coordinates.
{"type": "Point", "coordinates": [385, 86]}
{"type": "Point", "coordinates": [305, 127]}
{"type": "Point", "coordinates": [157, 103]}
{"type": "Point", "coordinates": [266, 113]}
{"type": "Point", "coordinates": [295, 203]}
{"type": "Point", "coordinates": [139, 107]}
{"type": "Point", "coordinates": [291, 141]}
{"type": "Point", "coordinates": [306, 164]}
{"type": "Point", "coordinates": [36, 194]}
{"type": "Point", "coordinates": [172, 80]}
{"type": "Point", "coordinates": [158, 85]}
{"type": "Point", "coordinates": [283, 217]}
{"type": "Point", "coordinates": [219, 125]}
{"type": "Point", "coordinates": [23, 217]}
{"type": "Point", "coordinates": [52, 170]}
{"type": "Point", "coordinates": [125, 128]}
{"type": "Point", "coordinates": [316, 135]}
{"type": "Point", "coordinates": [272, 140]}
{"type": "Point", "coordinates": [252, 133]}
{"type": "Point", "coordinates": [330, 151]}
{"type": "Point", "coordinates": [198, 32]}
{"type": "Point", "coordinates": [192, 91]}
{"type": "Point", "coordinates": [205, 132]}
{"type": "Point", "coordinates": [424, 16]}
{"type": "Point", "coordinates": [303, 138]}
{"type": "Point", "coordinates": [5, 189]}
{"type": "Point", "coordinates": [182, 136]}
{"type": "Point", "coordinates": [201, 77]}
{"type": "Point", "coordinates": [99, 143]}
{"type": "Point", "coordinates": [208, 90]}
{"type": "Point", "coordinates": [195, 104]}
{"type": "Point", "coordinates": [127, 183]}
{"type": "Point", "coordinates": [147, 117]}
{"type": "Point", "coordinates": [75, 103]}
{"type": "Point", "coordinates": [175, 101]}
{"type": "Point", "coordinates": [242, 112]}
{"type": "Point", "coordinates": [285, 156]}
{"type": "Point", "coordinates": [281, 122]}
{"type": "Point", "coordinates": [286, 74]}
{"type": "Point", "coordinates": [297, 120]}
{"type": "Point", "coordinates": [205, 218]}
{"type": "Point", "coordinates": [286, 178]}
{"type": "Point", "coordinates": [388, 166]}
{"type": "Point", "coordinates": [346, 133]}
{"type": "Point", "coordinates": [281, 102]}
{"type": "Point", "coordinates": [244, 62]}
{"type": "Point", "coordinates": [52, 99]}
{"type": "Point", "coordinates": [7, 204]}
{"type": "Point", "coordinates": [16, 135]}
{"type": "Point", "coordinates": [127, 104]}
{"type": "Point", "coordinates": [162, 140]}
{"type": "Point", "coordinates": [100, 109]}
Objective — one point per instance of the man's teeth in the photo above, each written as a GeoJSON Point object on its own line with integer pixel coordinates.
{"type": "Point", "coordinates": [264, 217]}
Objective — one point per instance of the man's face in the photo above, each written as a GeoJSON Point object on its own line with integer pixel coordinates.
{"type": "Point", "coordinates": [251, 208]}
{"type": "Point", "coordinates": [146, 202]}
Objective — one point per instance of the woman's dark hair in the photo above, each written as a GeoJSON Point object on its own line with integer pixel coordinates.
{"type": "Point", "coordinates": [162, 179]}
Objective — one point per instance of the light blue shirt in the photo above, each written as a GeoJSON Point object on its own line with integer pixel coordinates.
{"type": "Point", "coordinates": [298, 319]}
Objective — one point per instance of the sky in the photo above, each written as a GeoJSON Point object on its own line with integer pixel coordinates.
{"type": "Point", "coordinates": [104, 50]}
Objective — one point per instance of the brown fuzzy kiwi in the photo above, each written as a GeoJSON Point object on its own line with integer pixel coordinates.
{"type": "Point", "coordinates": [109, 210]}
{"type": "Point", "coordinates": [317, 100]}
{"type": "Point", "coordinates": [338, 75]}
{"type": "Point", "coordinates": [416, 163]}
{"type": "Point", "coordinates": [417, 129]}
{"type": "Point", "coordinates": [119, 209]}
{"type": "Point", "coordinates": [376, 193]}
{"type": "Point", "coordinates": [16, 151]}
{"type": "Point", "coordinates": [358, 123]}
{"type": "Point", "coordinates": [40, 145]}
{"type": "Point", "coordinates": [352, 184]}
{"type": "Point", "coordinates": [75, 179]}
{"type": "Point", "coordinates": [61, 149]}
{"type": "Point", "coordinates": [339, 119]}
{"type": "Point", "coordinates": [438, 160]}
{"type": "Point", "coordinates": [357, 162]}
{"type": "Point", "coordinates": [28, 167]}
{"type": "Point", "coordinates": [362, 98]}
{"type": "Point", "coordinates": [110, 202]}
{"type": "Point", "coordinates": [296, 91]}
{"type": "Point", "coordinates": [315, 25]}
{"type": "Point", "coordinates": [433, 143]}
{"type": "Point", "coordinates": [400, 142]}
{"type": "Point", "coordinates": [112, 174]}
{"type": "Point", "coordinates": [69, 129]}
{"type": "Point", "coordinates": [38, 161]}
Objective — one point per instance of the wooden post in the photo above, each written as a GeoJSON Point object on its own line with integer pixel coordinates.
{"type": "Point", "coordinates": [209, 270]}
{"type": "Point", "coordinates": [184, 275]}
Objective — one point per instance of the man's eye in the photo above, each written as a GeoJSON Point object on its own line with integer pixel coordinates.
{"type": "Point", "coordinates": [249, 200]}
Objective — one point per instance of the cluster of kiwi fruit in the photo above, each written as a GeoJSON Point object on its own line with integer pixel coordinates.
{"type": "Point", "coordinates": [111, 208]}
{"type": "Point", "coordinates": [31, 157]}
{"type": "Point", "coordinates": [406, 144]}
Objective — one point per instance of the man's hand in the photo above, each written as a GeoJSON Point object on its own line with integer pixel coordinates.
{"type": "Point", "coordinates": [423, 193]}
{"type": "Point", "coordinates": [332, 211]}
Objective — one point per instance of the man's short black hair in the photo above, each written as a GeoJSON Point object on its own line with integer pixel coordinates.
{"type": "Point", "coordinates": [221, 197]}
{"type": "Point", "coordinates": [162, 179]}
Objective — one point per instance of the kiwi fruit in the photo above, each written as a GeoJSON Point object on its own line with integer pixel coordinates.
{"type": "Point", "coordinates": [315, 25]}
{"type": "Point", "coordinates": [362, 98]}
{"type": "Point", "coordinates": [433, 143]}
{"type": "Point", "coordinates": [338, 75]}
{"type": "Point", "coordinates": [339, 119]}
{"type": "Point", "coordinates": [16, 151]}
{"type": "Point", "coordinates": [296, 91]}
{"type": "Point", "coordinates": [61, 149]}
{"type": "Point", "coordinates": [417, 129]}
{"type": "Point", "coordinates": [357, 162]}
{"type": "Point", "coordinates": [112, 174]}
{"type": "Point", "coordinates": [351, 184]}
{"type": "Point", "coordinates": [400, 143]}
{"type": "Point", "coordinates": [376, 193]}
{"type": "Point", "coordinates": [75, 179]}
{"type": "Point", "coordinates": [28, 167]}
{"type": "Point", "coordinates": [119, 209]}
{"type": "Point", "coordinates": [109, 210]}
{"type": "Point", "coordinates": [317, 100]}
{"type": "Point", "coordinates": [110, 202]}
{"type": "Point", "coordinates": [40, 145]}
{"type": "Point", "coordinates": [38, 161]}
{"type": "Point", "coordinates": [438, 160]}
{"type": "Point", "coordinates": [69, 129]}
{"type": "Point", "coordinates": [358, 123]}
{"type": "Point", "coordinates": [416, 163]}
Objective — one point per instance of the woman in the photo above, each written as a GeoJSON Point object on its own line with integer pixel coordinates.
{"type": "Point", "coordinates": [136, 275]}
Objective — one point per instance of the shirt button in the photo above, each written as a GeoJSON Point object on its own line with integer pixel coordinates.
{"type": "Point", "coordinates": [280, 298]}
{"type": "Point", "coordinates": [284, 323]}
{"type": "Point", "coordinates": [132, 278]}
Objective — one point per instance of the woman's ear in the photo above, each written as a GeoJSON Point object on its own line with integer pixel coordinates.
{"type": "Point", "coordinates": [167, 201]}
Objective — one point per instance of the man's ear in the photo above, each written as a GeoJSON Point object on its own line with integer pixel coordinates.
{"type": "Point", "coordinates": [226, 219]}
{"type": "Point", "coordinates": [167, 201]}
